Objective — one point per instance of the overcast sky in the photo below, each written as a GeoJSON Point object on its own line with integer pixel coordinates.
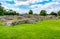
{"type": "Point", "coordinates": [23, 6]}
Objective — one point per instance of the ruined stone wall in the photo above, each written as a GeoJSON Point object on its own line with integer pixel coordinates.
{"type": "Point", "coordinates": [13, 20]}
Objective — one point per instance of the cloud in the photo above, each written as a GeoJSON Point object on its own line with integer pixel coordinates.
{"type": "Point", "coordinates": [15, 8]}
{"type": "Point", "coordinates": [27, 2]}
{"type": "Point", "coordinates": [34, 5]}
{"type": "Point", "coordinates": [56, 0]}
{"type": "Point", "coordinates": [6, 0]}
{"type": "Point", "coordinates": [49, 7]}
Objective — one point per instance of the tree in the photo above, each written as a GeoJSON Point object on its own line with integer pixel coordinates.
{"type": "Point", "coordinates": [30, 12]}
{"type": "Point", "coordinates": [53, 13]}
{"type": "Point", "coordinates": [1, 10]}
{"type": "Point", "coordinates": [5, 12]}
{"type": "Point", "coordinates": [58, 13]}
{"type": "Point", "coordinates": [0, 4]}
{"type": "Point", "coordinates": [43, 13]}
{"type": "Point", "coordinates": [11, 12]}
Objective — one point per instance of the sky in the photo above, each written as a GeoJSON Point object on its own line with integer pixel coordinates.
{"type": "Point", "coordinates": [23, 6]}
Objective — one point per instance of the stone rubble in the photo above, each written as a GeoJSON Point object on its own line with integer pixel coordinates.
{"type": "Point", "coordinates": [30, 19]}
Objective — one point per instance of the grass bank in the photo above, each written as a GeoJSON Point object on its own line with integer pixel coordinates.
{"type": "Point", "coordinates": [49, 29]}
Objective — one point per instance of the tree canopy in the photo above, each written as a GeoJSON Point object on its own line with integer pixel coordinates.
{"type": "Point", "coordinates": [30, 12]}
{"type": "Point", "coordinates": [58, 13]}
{"type": "Point", "coordinates": [9, 12]}
{"type": "Point", "coordinates": [12, 12]}
{"type": "Point", "coordinates": [43, 13]}
{"type": "Point", "coordinates": [1, 10]}
{"type": "Point", "coordinates": [53, 13]}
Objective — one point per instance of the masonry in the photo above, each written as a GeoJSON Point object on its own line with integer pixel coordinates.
{"type": "Point", "coordinates": [22, 19]}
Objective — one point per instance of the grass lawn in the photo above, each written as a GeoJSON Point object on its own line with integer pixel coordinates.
{"type": "Point", "coordinates": [49, 29]}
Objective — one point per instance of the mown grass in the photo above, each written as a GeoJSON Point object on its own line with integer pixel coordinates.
{"type": "Point", "coordinates": [49, 29]}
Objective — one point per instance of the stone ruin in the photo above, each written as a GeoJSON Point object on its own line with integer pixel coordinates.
{"type": "Point", "coordinates": [31, 19]}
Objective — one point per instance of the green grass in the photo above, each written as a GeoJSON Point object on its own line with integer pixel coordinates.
{"type": "Point", "coordinates": [49, 29]}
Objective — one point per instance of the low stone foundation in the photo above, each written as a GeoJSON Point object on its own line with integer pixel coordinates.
{"type": "Point", "coordinates": [30, 19]}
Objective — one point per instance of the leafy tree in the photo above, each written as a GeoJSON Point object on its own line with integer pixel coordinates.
{"type": "Point", "coordinates": [53, 13]}
{"type": "Point", "coordinates": [30, 12]}
{"type": "Point", "coordinates": [1, 10]}
{"type": "Point", "coordinates": [58, 13]}
{"type": "Point", "coordinates": [11, 12]}
{"type": "Point", "coordinates": [43, 13]}
{"type": "Point", "coordinates": [0, 4]}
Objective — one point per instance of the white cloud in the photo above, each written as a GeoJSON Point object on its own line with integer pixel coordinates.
{"type": "Point", "coordinates": [21, 3]}
{"type": "Point", "coordinates": [8, 6]}
{"type": "Point", "coordinates": [51, 6]}
{"type": "Point", "coordinates": [6, 0]}
{"type": "Point", "coordinates": [56, 0]}
{"type": "Point", "coordinates": [27, 2]}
